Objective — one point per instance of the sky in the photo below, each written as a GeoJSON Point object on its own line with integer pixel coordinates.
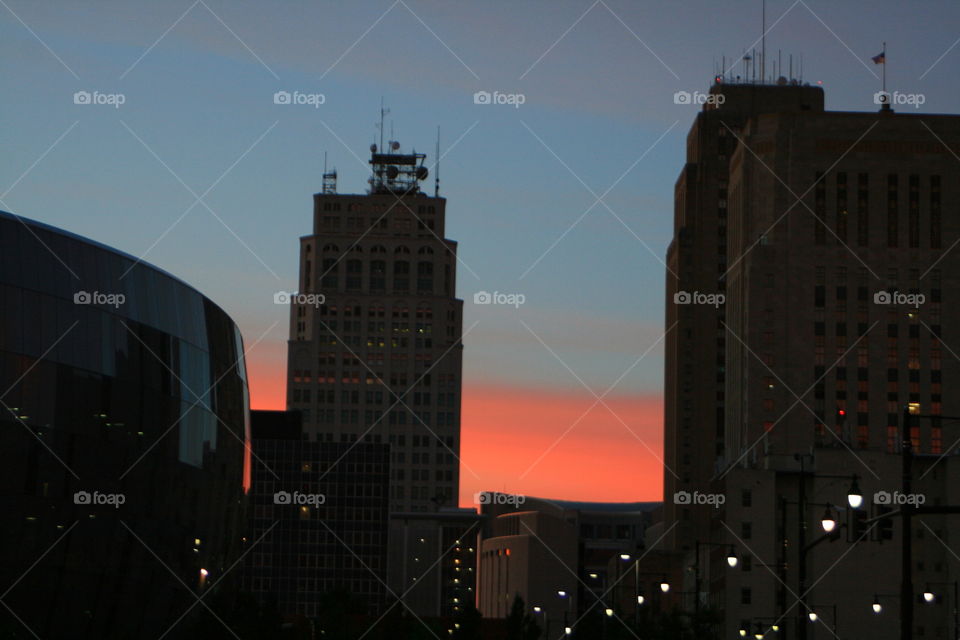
{"type": "Point", "coordinates": [560, 189]}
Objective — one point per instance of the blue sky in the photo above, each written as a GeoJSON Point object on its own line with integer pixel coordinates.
{"type": "Point", "coordinates": [598, 80]}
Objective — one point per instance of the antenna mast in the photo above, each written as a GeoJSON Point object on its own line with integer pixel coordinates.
{"type": "Point", "coordinates": [763, 44]}
{"type": "Point", "coordinates": [436, 168]}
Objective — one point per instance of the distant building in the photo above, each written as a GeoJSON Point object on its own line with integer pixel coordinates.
{"type": "Point", "coordinates": [538, 548]}
{"type": "Point", "coordinates": [319, 511]}
{"type": "Point", "coordinates": [123, 425]}
{"type": "Point", "coordinates": [434, 560]}
{"type": "Point", "coordinates": [374, 352]}
{"type": "Point", "coordinates": [828, 234]}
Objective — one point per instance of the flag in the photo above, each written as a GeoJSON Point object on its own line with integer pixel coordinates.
{"type": "Point", "coordinates": [880, 58]}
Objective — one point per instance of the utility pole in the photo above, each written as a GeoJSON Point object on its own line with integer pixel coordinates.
{"type": "Point", "coordinates": [906, 541]}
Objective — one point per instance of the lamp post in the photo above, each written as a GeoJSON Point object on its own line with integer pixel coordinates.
{"type": "Point", "coordinates": [567, 630]}
{"type": "Point", "coordinates": [828, 522]}
{"type": "Point", "coordinates": [546, 621]}
{"type": "Point", "coordinates": [813, 616]}
{"type": "Point", "coordinates": [930, 596]}
{"type": "Point", "coordinates": [876, 605]}
{"type": "Point", "coordinates": [774, 626]}
{"type": "Point", "coordinates": [732, 562]}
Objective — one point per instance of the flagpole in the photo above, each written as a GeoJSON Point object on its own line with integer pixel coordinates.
{"type": "Point", "coordinates": [884, 72]}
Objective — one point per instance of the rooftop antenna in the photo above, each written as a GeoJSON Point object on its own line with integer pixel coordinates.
{"type": "Point", "coordinates": [436, 168]}
{"type": "Point", "coordinates": [329, 177]}
{"type": "Point", "coordinates": [763, 43]}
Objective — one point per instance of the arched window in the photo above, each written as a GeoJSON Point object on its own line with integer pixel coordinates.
{"type": "Point", "coordinates": [424, 276]}
{"type": "Point", "coordinates": [328, 276]}
{"type": "Point", "coordinates": [402, 249]}
{"type": "Point", "coordinates": [378, 248]}
{"type": "Point", "coordinates": [354, 275]}
{"type": "Point", "coordinates": [378, 275]}
{"type": "Point", "coordinates": [331, 248]}
{"type": "Point", "coordinates": [401, 275]}
{"type": "Point", "coordinates": [425, 251]}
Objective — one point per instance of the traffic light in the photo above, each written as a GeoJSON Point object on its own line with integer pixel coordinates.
{"type": "Point", "coordinates": [885, 526]}
{"type": "Point", "coordinates": [856, 526]}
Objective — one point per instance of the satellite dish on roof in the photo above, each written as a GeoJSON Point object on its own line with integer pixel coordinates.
{"type": "Point", "coordinates": [373, 148]}
{"type": "Point", "coordinates": [395, 145]}
{"type": "Point", "coordinates": [422, 173]}
{"type": "Point", "coordinates": [392, 172]}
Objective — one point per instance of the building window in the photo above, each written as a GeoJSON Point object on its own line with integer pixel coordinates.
{"type": "Point", "coordinates": [863, 210]}
{"type": "Point", "coordinates": [401, 275]}
{"type": "Point", "coordinates": [913, 212]}
{"type": "Point", "coordinates": [842, 207]}
{"type": "Point", "coordinates": [820, 210]}
{"type": "Point", "coordinates": [892, 222]}
{"type": "Point", "coordinates": [935, 212]}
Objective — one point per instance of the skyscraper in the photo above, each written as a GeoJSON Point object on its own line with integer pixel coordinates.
{"type": "Point", "coordinates": [696, 341]}
{"type": "Point", "coordinates": [374, 351]}
{"type": "Point", "coordinates": [826, 234]}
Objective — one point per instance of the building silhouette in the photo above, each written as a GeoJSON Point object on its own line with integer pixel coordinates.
{"type": "Point", "coordinates": [123, 425]}
{"type": "Point", "coordinates": [374, 358]}
{"type": "Point", "coordinates": [319, 511]}
{"type": "Point", "coordinates": [380, 359]}
{"type": "Point", "coordinates": [538, 548]}
{"type": "Point", "coordinates": [828, 237]}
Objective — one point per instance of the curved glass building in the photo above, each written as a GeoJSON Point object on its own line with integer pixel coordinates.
{"type": "Point", "coordinates": [124, 419]}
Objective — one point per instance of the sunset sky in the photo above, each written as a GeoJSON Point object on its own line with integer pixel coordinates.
{"type": "Point", "coordinates": [199, 172]}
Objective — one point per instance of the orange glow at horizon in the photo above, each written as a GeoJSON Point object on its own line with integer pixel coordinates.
{"type": "Point", "coordinates": [529, 441]}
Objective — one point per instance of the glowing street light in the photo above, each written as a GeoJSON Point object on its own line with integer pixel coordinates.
{"type": "Point", "coordinates": [829, 521]}
{"type": "Point", "coordinates": [732, 557]}
{"type": "Point", "coordinates": [854, 495]}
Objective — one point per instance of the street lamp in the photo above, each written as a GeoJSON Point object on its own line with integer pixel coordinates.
{"type": "Point", "coordinates": [930, 596]}
{"type": "Point", "coordinates": [546, 621]}
{"type": "Point", "coordinates": [563, 594]}
{"type": "Point", "coordinates": [732, 559]}
{"type": "Point", "coordinates": [829, 521]}
{"type": "Point", "coordinates": [639, 599]}
{"type": "Point", "coordinates": [664, 586]}
{"type": "Point", "coordinates": [877, 607]}
{"type": "Point", "coordinates": [854, 495]}
{"type": "Point", "coordinates": [608, 611]}
{"type": "Point", "coordinates": [812, 614]}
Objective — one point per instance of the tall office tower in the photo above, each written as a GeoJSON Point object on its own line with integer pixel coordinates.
{"type": "Point", "coordinates": [696, 341]}
{"type": "Point", "coordinates": [840, 284]}
{"type": "Point", "coordinates": [380, 359]}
